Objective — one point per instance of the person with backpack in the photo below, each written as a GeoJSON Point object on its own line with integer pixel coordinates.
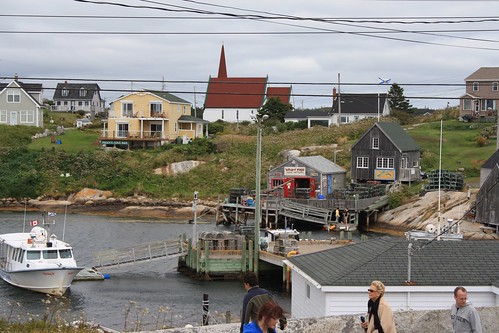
{"type": "Point", "coordinates": [254, 299]}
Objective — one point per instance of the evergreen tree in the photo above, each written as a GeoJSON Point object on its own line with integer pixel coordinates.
{"type": "Point", "coordinates": [275, 109]}
{"type": "Point", "coordinates": [397, 100]}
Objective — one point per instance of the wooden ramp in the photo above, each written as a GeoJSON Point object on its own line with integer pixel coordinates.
{"type": "Point", "coordinates": [140, 253]}
{"type": "Point", "coordinates": [317, 215]}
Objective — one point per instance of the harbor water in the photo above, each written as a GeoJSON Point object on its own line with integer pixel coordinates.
{"type": "Point", "coordinates": [144, 296]}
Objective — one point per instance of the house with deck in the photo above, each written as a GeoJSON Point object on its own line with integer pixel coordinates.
{"type": "Point", "coordinates": [146, 119]}
{"type": "Point", "coordinates": [385, 153]}
{"type": "Point", "coordinates": [421, 276]}
{"type": "Point", "coordinates": [21, 103]}
{"type": "Point", "coordinates": [482, 94]}
{"type": "Point", "coordinates": [72, 97]}
{"type": "Point", "coordinates": [236, 99]}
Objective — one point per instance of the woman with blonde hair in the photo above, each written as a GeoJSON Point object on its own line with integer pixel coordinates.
{"type": "Point", "coordinates": [380, 315]}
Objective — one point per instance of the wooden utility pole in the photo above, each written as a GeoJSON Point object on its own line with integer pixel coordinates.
{"type": "Point", "coordinates": [339, 101]}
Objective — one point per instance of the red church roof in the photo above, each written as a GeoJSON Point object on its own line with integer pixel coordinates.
{"type": "Point", "coordinates": [283, 93]}
{"type": "Point", "coordinates": [240, 92]}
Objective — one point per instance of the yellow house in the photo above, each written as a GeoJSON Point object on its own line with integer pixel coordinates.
{"type": "Point", "coordinates": [150, 119]}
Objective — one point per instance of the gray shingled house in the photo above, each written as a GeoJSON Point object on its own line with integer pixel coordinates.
{"type": "Point", "coordinates": [385, 153]}
{"type": "Point", "coordinates": [306, 177]}
{"type": "Point", "coordinates": [335, 281]}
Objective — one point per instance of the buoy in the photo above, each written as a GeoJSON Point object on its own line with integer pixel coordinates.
{"type": "Point", "coordinates": [106, 276]}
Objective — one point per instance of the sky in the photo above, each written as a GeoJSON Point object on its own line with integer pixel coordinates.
{"type": "Point", "coordinates": [427, 47]}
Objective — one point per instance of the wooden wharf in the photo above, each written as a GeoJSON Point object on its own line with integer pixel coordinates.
{"type": "Point", "coordinates": [319, 212]}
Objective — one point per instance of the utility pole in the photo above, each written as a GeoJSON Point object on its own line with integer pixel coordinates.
{"type": "Point", "coordinates": [258, 202]}
{"type": "Point", "coordinates": [195, 104]}
{"type": "Point", "coordinates": [339, 101]}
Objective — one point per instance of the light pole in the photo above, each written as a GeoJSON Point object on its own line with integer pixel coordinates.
{"type": "Point", "coordinates": [258, 203]}
{"type": "Point", "coordinates": [194, 227]}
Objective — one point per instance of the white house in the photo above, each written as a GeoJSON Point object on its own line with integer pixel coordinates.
{"type": "Point", "coordinates": [335, 281]}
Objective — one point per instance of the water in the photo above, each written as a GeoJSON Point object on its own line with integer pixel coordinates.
{"type": "Point", "coordinates": [168, 295]}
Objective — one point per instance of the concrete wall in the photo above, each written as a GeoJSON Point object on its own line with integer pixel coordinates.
{"type": "Point", "coordinates": [436, 321]}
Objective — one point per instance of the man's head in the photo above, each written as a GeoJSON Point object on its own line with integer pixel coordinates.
{"type": "Point", "coordinates": [461, 296]}
{"type": "Point", "coordinates": [250, 280]}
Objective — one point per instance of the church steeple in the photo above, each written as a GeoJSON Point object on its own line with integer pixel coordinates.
{"type": "Point", "coordinates": [222, 68]}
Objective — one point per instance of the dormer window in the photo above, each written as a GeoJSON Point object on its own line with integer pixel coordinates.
{"type": "Point", "coordinates": [475, 86]}
{"type": "Point", "coordinates": [83, 92]}
{"type": "Point", "coordinates": [65, 92]}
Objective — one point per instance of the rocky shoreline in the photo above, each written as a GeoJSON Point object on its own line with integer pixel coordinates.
{"type": "Point", "coordinates": [95, 202]}
{"type": "Point", "coordinates": [414, 215]}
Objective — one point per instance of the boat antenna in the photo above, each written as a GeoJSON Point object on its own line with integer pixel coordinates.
{"type": "Point", "coordinates": [439, 181]}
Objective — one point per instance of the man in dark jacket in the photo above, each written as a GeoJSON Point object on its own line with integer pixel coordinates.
{"type": "Point", "coordinates": [254, 299]}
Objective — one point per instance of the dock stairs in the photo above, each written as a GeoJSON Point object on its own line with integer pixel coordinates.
{"type": "Point", "coordinates": [140, 253]}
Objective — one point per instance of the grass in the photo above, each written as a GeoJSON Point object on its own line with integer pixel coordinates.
{"type": "Point", "coordinates": [73, 140]}
{"type": "Point", "coordinates": [459, 146]}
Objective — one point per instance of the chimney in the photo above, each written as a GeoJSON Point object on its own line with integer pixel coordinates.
{"type": "Point", "coordinates": [16, 78]}
{"type": "Point", "coordinates": [334, 93]}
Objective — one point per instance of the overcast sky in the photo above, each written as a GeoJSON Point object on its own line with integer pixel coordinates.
{"type": "Point", "coordinates": [428, 47]}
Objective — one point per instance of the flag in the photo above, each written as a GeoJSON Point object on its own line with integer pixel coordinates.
{"type": "Point", "coordinates": [52, 214]}
{"type": "Point", "coordinates": [34, 223]}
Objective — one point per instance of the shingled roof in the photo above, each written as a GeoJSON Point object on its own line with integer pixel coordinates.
{"type": "Point", "coordinates": [321, 164]}
{"type": "Point", "coordinates": [484, 74]}
{"type": "Point", "coordinates": [492, 161]}
{"type": "Point", "coordinates": [360, 103]}
{"type": "Point", "coordinates": [437, 263]}
{"type": "Point", "coordinates": [74, 91]}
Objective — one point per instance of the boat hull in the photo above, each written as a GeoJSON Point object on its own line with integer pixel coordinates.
{"type": "Point", "coordinates": [49, 281]}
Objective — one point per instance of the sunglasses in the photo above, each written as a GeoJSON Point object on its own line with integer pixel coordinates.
{"type": "Point", "coordinates": [371, 290]}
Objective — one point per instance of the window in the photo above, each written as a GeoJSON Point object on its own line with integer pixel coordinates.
{"type": "Point", "coordinates": [65, 92]}
{"type": "Point", "coordinates": [50, 254]}
{"type": "Point", "coordinates": [122, 130]}
{"type": "Point", "coordinates": [156, 107]}
{"type": "Point", "coordinates": [127, 109]}
{"type": "Point", "coordinates": [13, 96]}
{"type": "Point", "coordinates": [415, 164]}
{"type": "Point", "coordinates": [83, 92]}
{"type": "Point", "coordinates": [156, 130]}
{"type": "Point", "coordinates": [362, 162]}
{"type": "Point", "coordinates": [33, 255]}
{"type": "Point", "coordinates": [467, 104]}
{"type": "Point", "coordinates": [495, 86]}
{"type": "Point", "coordinates": [344, 119]}
{"type": "Point", "coordinates": [375, 143]}
{"type": "Point", "coordinates": [403, 163]}
{"type": "Point", "coordinates": [64, 254]}
{"type": "Point", "coordinates": [237, 115]}
{"type": "Point", "coordinates": [308, 291]}
{"type": "Point", "coordinates": [489, 104]}
{"type": "Point", "coordinates": [80, 103]}
{"type": "Point", "coordinates": [223, 114]}
{"type": "Point", "coordinates": [27, 117]}
{"type": "Point", "coordinates": [3, 116]}
{"type": "Point", "coordinates": [475, 86]}
{"type": "Point", "coordinates": [384, 163]}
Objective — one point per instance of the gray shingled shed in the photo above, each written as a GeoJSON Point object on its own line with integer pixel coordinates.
{"type": "Point", "coordinates": [307, 177]}
{"type": "Point", "coordinates": [335, 281]}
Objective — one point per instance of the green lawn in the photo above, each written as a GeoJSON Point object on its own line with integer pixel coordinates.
{"type": "Point", "coordinates": [73, 140]}
{"type": "Point", "coordinates": [459, 147]}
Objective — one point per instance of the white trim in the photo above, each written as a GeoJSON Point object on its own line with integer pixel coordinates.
{"type": "Point", "coordinates": [305, 276]}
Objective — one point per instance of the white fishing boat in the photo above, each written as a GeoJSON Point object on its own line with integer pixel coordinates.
{"type": "Point", "coordinates": [36, 261]}
{"type": "Point", "coordinates": [448, 233]}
